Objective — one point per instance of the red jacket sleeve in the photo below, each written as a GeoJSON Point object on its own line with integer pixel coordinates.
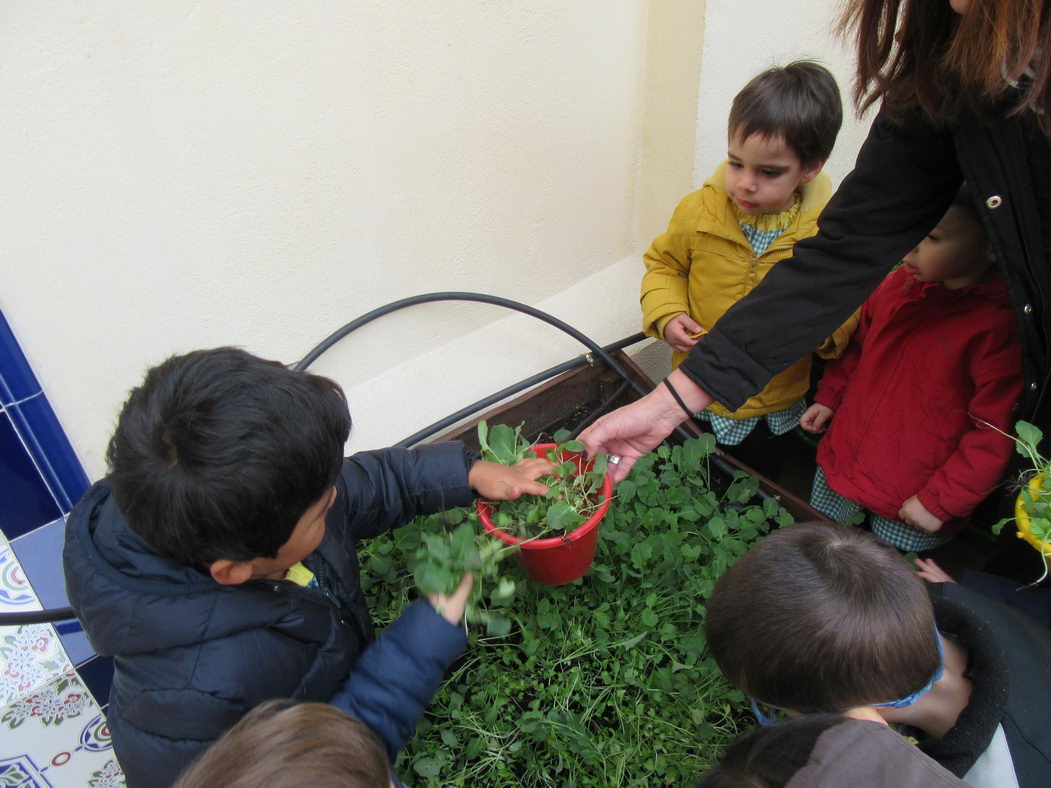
{"type": "Point", "coordinates": [983, 454]}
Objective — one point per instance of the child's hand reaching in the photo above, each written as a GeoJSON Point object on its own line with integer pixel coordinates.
{"type": "Point", "coordinates": [451, 606]}
{"type": "Point", "coordinates": [931, 572]}
{"type": "Point", "coordinates": [915, 514]}
{"type": "Point", "coordinates": [496, 482]}
{"type": "Point", "coordinates": [815, 418]}
{"type": "Point", "coordinates": [682, 332]}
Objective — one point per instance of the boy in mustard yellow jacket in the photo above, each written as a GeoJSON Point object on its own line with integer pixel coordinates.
{"type": "Point", "coordinates": [724, 238]}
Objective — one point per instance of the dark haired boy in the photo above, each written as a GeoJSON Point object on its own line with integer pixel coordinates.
{"type": "Point", "coordinates": [216, 563]}
{"type": "Point", "coordinates": [823, 617]}
{"type": "Point", "coordinates": [726, 237]}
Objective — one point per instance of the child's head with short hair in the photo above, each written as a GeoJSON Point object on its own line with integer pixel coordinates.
{"type": "Point", "coordinates": [223, 457]}
{"type": "Point", "coordinates": [282, 744]}
{"type": "Point", "coordinates": [823, 617]}
{"type": "Point", "coordinates": [957, 252]}
{"type": "Point", "coordinates": [783, 126]}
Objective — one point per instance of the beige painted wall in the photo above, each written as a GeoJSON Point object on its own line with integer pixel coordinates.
{"type": "Point", "coordinates": [182, 174]}
{"type": "Point", "coordinates": [257, 173]}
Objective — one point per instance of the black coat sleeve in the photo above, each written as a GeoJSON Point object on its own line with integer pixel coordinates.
{"type": "Point", "coordinates": [380, 490]}
{"type": "Point", "coordinates": [905, 177]}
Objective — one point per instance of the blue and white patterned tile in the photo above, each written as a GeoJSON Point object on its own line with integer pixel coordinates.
{"type": "Point", "coordinates": [52, 731]}
{"type": "Point", "coordinates": [97, 675]}
{"type": "Point", "coordinates": [31, 656]}
{"type": "Point", "coordinates": [45, 441]}
{"type": "Point", "coordinates": [17, 381]}
{"type": "Point", "coordinates": [15, 592]}
{"type": "Point", "coordinates": [38, 467]}
{"type": "Point", "coordinates": [28, 502]}
{"type": "Point", "coordinates": [57, 736]}
{"type": "Point", "coordinates": [39, 553]}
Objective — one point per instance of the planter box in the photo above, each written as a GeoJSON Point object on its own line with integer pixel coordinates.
{"type": "Point", "coordinates": [565, 402]}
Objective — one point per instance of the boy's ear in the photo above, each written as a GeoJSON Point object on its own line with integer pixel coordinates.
{"type": "Point", "coordinates": [810, 171]}
{"type": "Point", "coordinates": [230, 573]}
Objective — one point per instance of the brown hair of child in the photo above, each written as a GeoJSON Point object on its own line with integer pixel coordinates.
{"type": "Point", "coordinates": [822, 617]}
{"type": "Point", "coordinates": [283, 744]}
{"type": "Point", "coordinates": [799, 102]}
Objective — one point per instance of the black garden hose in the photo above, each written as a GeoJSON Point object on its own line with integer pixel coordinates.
{"type": "Point", "coordinates": [517, 306]}
{"type": "Point", "coordinates": [37, 617]}
{"type": "Point", "coordinates": [516, 388]}
{"type": "Point", "coordinates": [507, 303]}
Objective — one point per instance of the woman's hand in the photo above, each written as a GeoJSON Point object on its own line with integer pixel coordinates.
{"type": "Point", "coordinates": [496, 482]}
{"type": "Point", "coordinates": [631, 431]}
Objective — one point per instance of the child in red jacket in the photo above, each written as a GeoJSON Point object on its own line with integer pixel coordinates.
{"type": "Point", "coordinates": [934, 366]}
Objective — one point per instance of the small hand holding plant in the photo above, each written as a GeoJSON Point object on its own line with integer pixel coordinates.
{"type": "Point", "coordinates": [453, 565]}
{"type": "Point", "coordinates": [456, 561]}
{"type": "Point", "coordinates": [571, 495]}
{"type": "Point", "coordinates": [497, 482]}
{"type": "Point", "coordinates": [452, 606]}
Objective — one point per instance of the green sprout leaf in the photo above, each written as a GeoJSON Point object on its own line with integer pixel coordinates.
{"type": "Point", "coordinates": [503, 444]}
{"type": "Point", "coordinates": [1030, 435]}
{"type": "Point", "coordinates": [561, 516]}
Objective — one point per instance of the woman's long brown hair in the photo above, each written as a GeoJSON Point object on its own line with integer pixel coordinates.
{"type": "Point", "coordinates": [922, 54]}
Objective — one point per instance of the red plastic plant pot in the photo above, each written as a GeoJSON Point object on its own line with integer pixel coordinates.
{"type": "Point", "coordinates": [560, 559]}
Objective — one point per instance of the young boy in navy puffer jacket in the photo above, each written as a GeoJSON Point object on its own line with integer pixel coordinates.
{"type": "Point", "coordinates": [216, 563]}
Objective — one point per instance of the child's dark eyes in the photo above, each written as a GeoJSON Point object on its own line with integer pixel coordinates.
{"type": "Point", "coordinates": [767, 173]}
{"type": "Point", "coordinates": [933, 237]}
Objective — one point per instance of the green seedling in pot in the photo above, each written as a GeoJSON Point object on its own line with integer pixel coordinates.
{"type": "Point", "coordinates": [572, 496]}
{"type": "Point", "coordinates": [452, 545]}
{"type": "Point", "coordinates": [1033, 505]}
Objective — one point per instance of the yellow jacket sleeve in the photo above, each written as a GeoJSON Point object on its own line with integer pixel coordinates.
{"type": "Point", "coordinates": [834, 345]}
{"type": "Point", "coordinates": [666, 281]}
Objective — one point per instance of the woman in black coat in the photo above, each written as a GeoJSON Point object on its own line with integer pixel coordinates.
{"type": "Point", "coordinates": [965, 94]}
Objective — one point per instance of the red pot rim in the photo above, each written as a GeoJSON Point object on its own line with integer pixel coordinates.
{"type": "Point", "coordinates": [606, 491]}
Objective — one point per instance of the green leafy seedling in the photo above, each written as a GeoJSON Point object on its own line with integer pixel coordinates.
{"type": "Point", "coordinates": [572, 496]}
{"type": "Point", "coordinates": [608, 680]}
